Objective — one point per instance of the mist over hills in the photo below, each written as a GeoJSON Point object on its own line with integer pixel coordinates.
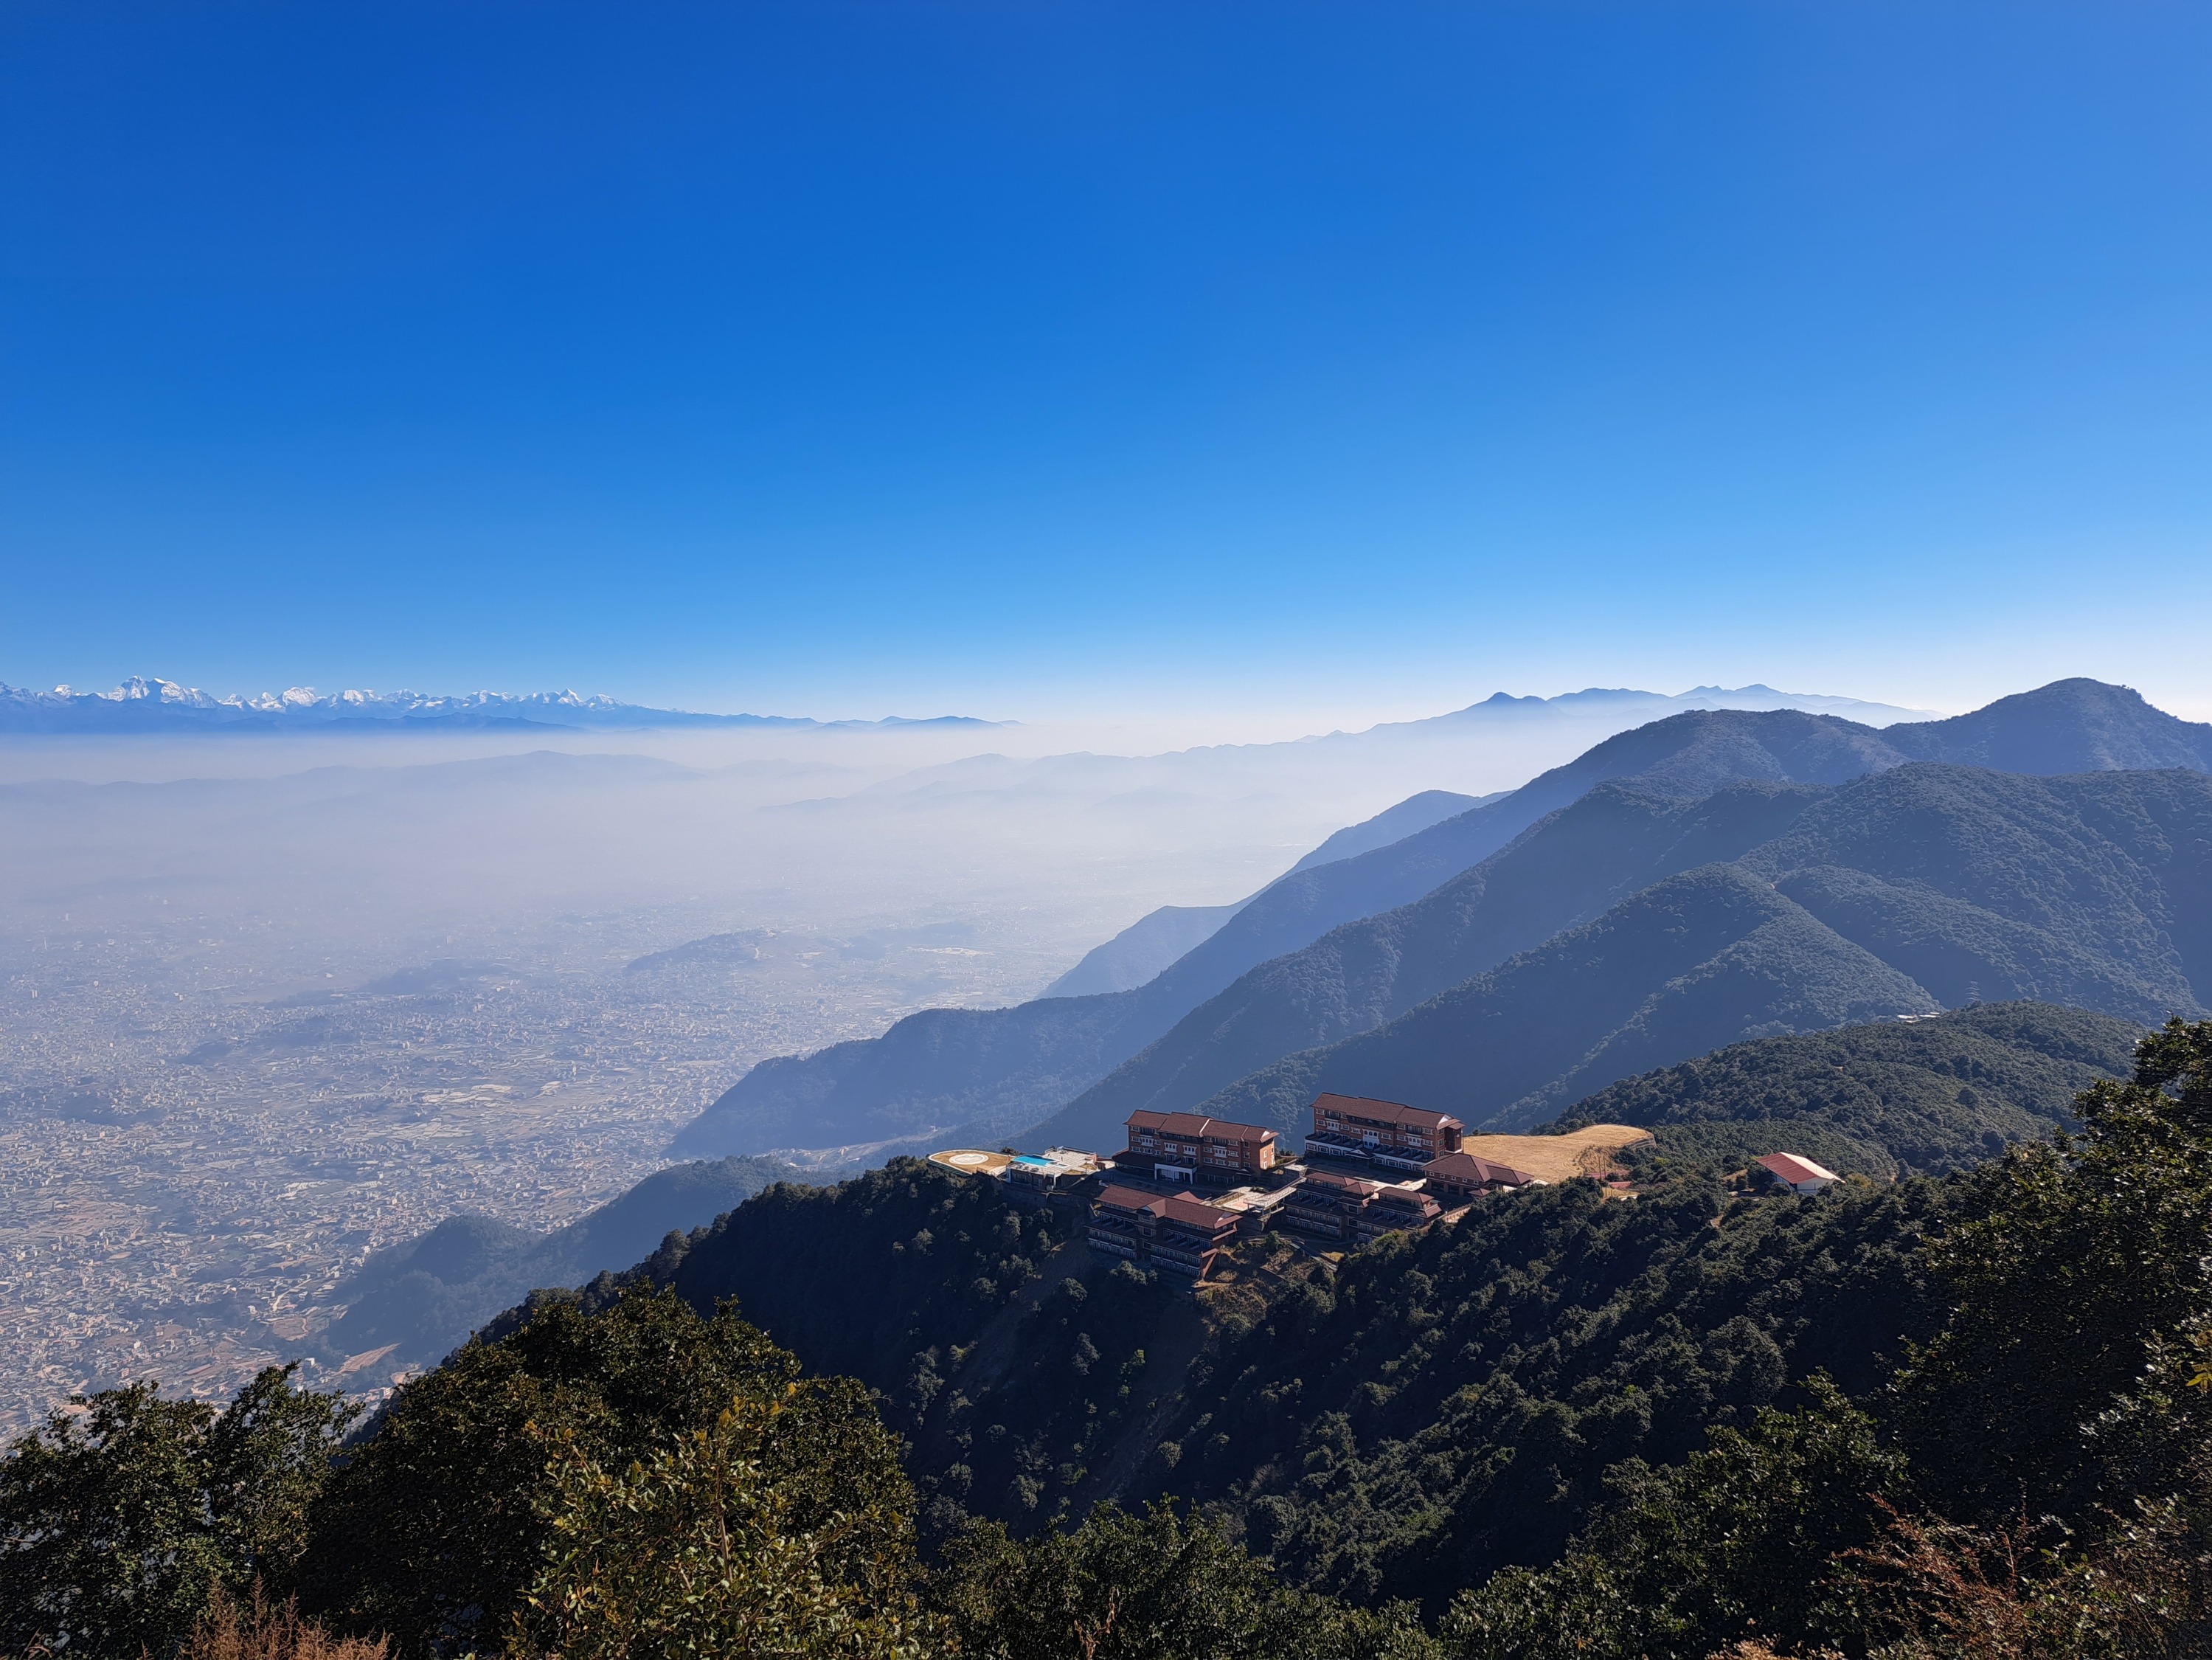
{"type": "Point", "coordinates": [977, 1069]}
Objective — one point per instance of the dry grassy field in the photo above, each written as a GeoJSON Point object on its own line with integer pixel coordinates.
{"type": "Point", "coordinates": [1559, 1157]}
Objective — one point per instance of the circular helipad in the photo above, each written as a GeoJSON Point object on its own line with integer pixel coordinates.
{"type": "Point", "coordinates": [971, 1161]}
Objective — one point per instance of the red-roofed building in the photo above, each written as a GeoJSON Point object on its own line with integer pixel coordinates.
{"type": "Point", "coordinates": [1384, 1132]}
{"type": "Point", "coordinates": [1184, 1146]}
{"type": "Point", "coordinates": [1799, 1174]}
{"type": "Point", "coordinates": [1351, 1210]}
{"type": "Point", "coordinates": [1188, 1233]}
{"type": "Point", "coordinates": [1173, 1231]}
{"type": "Point", "coordinates": [1328, 1204]}
{"type": "Point", "coordinates": [1459, 1178]}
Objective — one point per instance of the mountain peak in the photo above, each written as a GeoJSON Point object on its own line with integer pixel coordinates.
{"type": "Point", "coordinates": [2076, 725]}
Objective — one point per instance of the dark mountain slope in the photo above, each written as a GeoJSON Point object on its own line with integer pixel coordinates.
{"type": "Point", "coordinates": [1684, 755]}
{"type": "Point", "coordinates": [1448, 1404]}
{"type": "Point", "coordinates": [1924, 1095]}
{"type": "Point", "coordinates": [2088, 890]}
{"type": "Point", "coordinates": [1557, 875]}
{"type": "Point", "coordinates": [1434, 1406]}
{"type": "Point", "coordinates": [1693, 962]}
{"type": "Point", "coordinates": [429, 1294]}
{"type": "Point", "coordinates": [2069, 726]}
{"type": "Point", "coordinates": [932, 1070]}
{"type": "Point", "coordinates": [2091, 891]}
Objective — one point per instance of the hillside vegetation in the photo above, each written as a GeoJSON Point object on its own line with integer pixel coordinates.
{"type": "Point", "coordinates": [1929, 1097]}
{"type": "Point", "coordinates": [1858, 1424]}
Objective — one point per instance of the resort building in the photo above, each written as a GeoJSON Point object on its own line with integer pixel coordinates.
{"type": "Point", "coordinates": [1396, 1209]}
{"type": "Point", "coordinates": [1327, 1205]}
{"type": "Point", "coordinates": [1381, 1132]}
{"type": "Point", "coordinates": [1460, 1178]}
{"type": "Point", "coordinates": [1353, 1210]}
{"type": "Point", "coordinates": [1174, 1232]}
{"type": "Point", "coordinates": [1182, 1146]}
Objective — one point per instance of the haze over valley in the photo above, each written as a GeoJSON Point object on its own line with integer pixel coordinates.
{"type": "Point", "coordinates": [274, 1003]}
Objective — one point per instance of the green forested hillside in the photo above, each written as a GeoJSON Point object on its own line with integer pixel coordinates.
{"type": "Point", "coordinates": [1965, 1419]}
{"type": "Point", "coordinates": [993, 1071]}
{"type": "Point", "coordinates": [1609, 843]}
{"type": "Point", "coordinates": [870, 1278]}
{"type": "Point", "coordinates": [2094, 890]}
{"type": "Point", "coordinates": [1444, 1405]}
{"type": "Point", "coordinates": [1701, 959]}
{"type": "Point", "coordinates": [1926, 1097]}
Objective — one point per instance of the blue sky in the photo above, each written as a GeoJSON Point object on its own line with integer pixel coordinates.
{"type": "Point", "coordinates": [1016, 358]}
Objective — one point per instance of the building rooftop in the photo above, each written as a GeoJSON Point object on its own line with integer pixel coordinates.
{"type": "Point", "coordinates": [1384, 1112]}
{"type": "Point", "coordinates": [1196, 1212]}
{"type": "Point", "coordinates": [1472, 1168]}
{"type": "Point", "coordinates": [1330, 1179]}
{"type": "Point", "coordinates": [1793, 1169]}
{"type": "Point", "coordinates": [1117, 1197]}
{"type": "Point", "coordinates": [1190, 1126]}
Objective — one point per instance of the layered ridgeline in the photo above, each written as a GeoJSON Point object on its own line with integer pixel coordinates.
{"type": "Point", "coordinates": [990, 1072]}
{"type": "Point", "coordinates": [1628, 932]}
{"type": "Point", "coordinates": [1878, 1100]}
{"type": "Point", "coordinates": [1435, 1408]}
{"type": "Point", "coordinates": [1154, 942]}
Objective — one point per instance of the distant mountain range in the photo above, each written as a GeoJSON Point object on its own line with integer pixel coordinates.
{"type": "Point", "coordinates": [1609, 701]}
{"type": "Point", "coordinates": [1300, 966]}
{"type": "Point", "coordinates": [147, 705]}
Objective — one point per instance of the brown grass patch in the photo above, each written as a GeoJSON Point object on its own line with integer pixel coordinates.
{"type": "Point", "coordinates": [1560, 1157]}
{"type": "Point", "coordinates": [259, 1631]}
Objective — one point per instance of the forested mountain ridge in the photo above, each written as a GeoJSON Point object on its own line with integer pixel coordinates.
{"type": "Point", "coordinates": [1914, 889]}
{"type": "Point", "coordinates": [896, 1276]}
{"type": "Point", "coordinates": [1700, 1423]}
{"type": "Point", "coordinates": [1444, 1405]}
{"type": "Point", "coordinates": [1927, 1097]}
{"type": "Point", "coordinates": [2069, 726]}
{"type": "Point", "coordinates": [1566, 869]}
{"type": "Point", "coordinates": [989, 1072]}
{"type": "Point", "coordinates": [427, 1295]}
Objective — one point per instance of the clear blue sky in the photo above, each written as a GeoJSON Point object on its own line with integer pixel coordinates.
{"type": "Point", "coordinates": [841, 358]}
